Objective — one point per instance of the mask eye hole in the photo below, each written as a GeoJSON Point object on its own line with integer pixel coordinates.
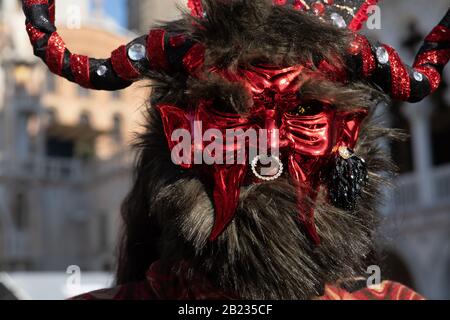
{"type": "Point", "coordinates": [308, 108]}
{"type": "Point", "coordinates": [227, 106]}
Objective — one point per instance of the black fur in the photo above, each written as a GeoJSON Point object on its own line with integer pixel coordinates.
{"type": "Point", "coordinates": [345, 181]}
{"type": "Point", "coordinates": [239, 31]}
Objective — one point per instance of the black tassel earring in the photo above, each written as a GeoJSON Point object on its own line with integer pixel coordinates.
{"type": "Point", "coordinates": [347, 177]}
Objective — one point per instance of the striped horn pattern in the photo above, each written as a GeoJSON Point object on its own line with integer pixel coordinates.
{"type": "Point", "coordinates": [125, 65]}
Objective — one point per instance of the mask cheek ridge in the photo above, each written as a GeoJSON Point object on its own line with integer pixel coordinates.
{"type": "Point", "coordinates": [226, 181]}
{"type": "Point", "coordinates": [306, 179]}
{"type": "Point", "coordinates": [175, 120]}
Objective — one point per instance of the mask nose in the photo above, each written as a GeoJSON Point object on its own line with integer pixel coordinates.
{"type": "Point", "coordinates": [275, 139]}
{"type": "Point", "coordinates": [271, 126]}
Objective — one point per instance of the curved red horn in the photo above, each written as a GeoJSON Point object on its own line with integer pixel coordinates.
{"type": "Point", "coordinates": [381, 65]}
{"type": "Point", "coordinates": [126, 64]}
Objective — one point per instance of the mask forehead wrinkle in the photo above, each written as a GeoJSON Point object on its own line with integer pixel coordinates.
{"type": "Point", "coordinates": [310, 135]}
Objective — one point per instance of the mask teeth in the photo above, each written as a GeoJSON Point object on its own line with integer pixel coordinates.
{"type": "Point", "coordinates": [226, 191]}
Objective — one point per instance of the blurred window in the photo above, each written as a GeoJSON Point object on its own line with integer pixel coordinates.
{"type": "Point", "coordinates": [20, 211]}
{"type": "Point", "coordinates": [27, 133]}
{"type": "Point", "coordinates": [440, 128]}
{"type": "Point", "coordinates": [401, 151]}
{"type": "Point", "coordinates": [2, 137]}
{"type": "Point", "coordinates": [448, 279]}
{"type": "Point", "coordinates": [85, 119]}
{"type": "Point", "coordinates": [57, 147]}
{"type": "Point", "coordinates": [103, 231]}
{"type": "Point", "coordinates": [117, 127]}
{"type": "Point", "coordinates": [52, 117]}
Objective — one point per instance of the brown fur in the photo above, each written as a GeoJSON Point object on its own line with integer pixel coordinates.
{"type": "Point", "coordinates": [264, 253]}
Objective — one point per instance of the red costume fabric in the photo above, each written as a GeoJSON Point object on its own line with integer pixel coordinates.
{"type": "Point", "coordinates": [175, 286]}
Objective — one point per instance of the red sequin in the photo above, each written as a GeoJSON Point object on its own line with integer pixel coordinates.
{"type": "Point", "coordinates": [177, 41]}
{"type": "Point", "coordinates": [401, 83]}
{"type": "Point", "coordinates": [29, 3]}
{"type": "Point", "coordinates": [51, 13]}
{"type": "Point", "coordinates": [194, 59]}
{"type": "Point", "coordinates": [436, 57]}
{"type": "Point", "coordinates": [318, 8]}
{"type": "Point", "coordinates": [355, 47]}
{"type": "Point", "coordinates": [79, 66]}
{"type": "Point", "coordinates": [299, 5]}
{"type": "Point", "coordinates": [439, 34]}
{"type": "Point", "coordinates": [369, 63]}
{"type": "Point", "coordinates": [55, 53]}
{"type": "Point", "coordinates": [434, 77]}
{"type": "Point", "coordinates": [122, 65]}
{"type": "Point", "coordinates": [156, 50]}
{"type": "Point", "coordinates": [333, 71]}
{"type": "Point", "coordinates": [196, 8]}
{"type": "Point", "coordinates": [34, 34]}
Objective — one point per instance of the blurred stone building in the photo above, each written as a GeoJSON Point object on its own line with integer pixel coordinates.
{"type": "Point", "coordinates": [142, 14]}
{"type": "Point", "coordinates": [64, 161]}
{"type": "Point", "coordinates": [65, 167]}
{"type": "Point", "coordinates": [416, 227]}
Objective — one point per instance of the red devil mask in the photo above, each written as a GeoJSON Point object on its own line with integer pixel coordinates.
{"type": "Point", "coordinates": [306, 141]}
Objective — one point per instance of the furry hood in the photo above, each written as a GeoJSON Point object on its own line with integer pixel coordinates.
{"type": "Point", "coordinates": [264, 253]}
{"type": "Point", "coordinates": [239, 31]}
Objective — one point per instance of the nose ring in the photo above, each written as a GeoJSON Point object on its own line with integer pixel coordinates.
{"type": "Point", "coordinates": [267, 177]}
